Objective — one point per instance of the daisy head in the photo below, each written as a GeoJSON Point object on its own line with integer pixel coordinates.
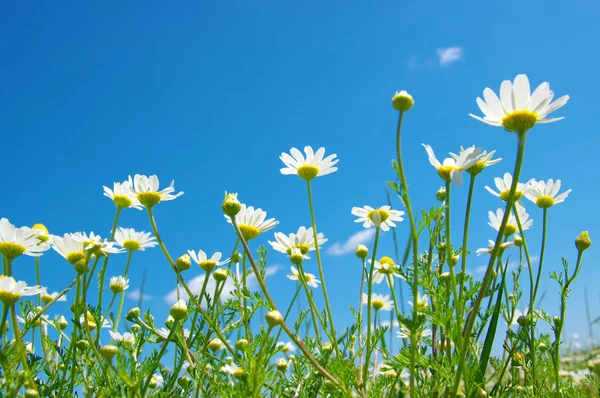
{"type": "Point", "coordinates": [118, 284]}
{"type": "Point", "coordinates": [70, 248]}
{"type": "Point", "coordinates": [43, 234]}
{"type": "Point", "coordinates": [126, 337]}
{"type": "Point", "coordinates": [95, 245]}
{"type": "Point", "coordinates": [518, 110]}
{"type": "Point", "coordinates": [422, 302]}
{"type": "Point", "coordinates": [91, 322]}
{"type": "Point", "coordinates": [402, 101]}
{"type": "Point", "coordinates": [252, 222]}
{"type": "Point", "coordinates": [309, 167]}
{"type": "Point", "coordinates": [483, 160]}
{"type": "Point", "coordinates": [383, 217]}
{"type": "Point", "coordinates": [146, 191]}
{"type": "Point", "coordinates": [512, 225]}
{"type": "Point", "coordinates": [492, 245]}
{"type": "Point", "coordinates": [11, 291]}
{"type": "Point", "coordinates": [311, 279]}
{"type": "Point", "coordinates": [121, 195]}
{"type": "Point", "coordinates": [131, 240]}
{"type": "Point", "coordinates": [17, 241]}
{"type": "Point", "coordinates": [384, 267]}
{"type": "Point", "coordinates": [206, 263]}
{"type": "Point", "coordinates": [48, 297]}
{"type": "Point", "coordinates": [406, 333]}
{"type": "Point", "coordinates": [378, 301]}
{"type": "Point", "coordinates": [302, 240]}
{"type": "Point", "coordinates": [503, 185]}
{"type": "Point", "coordinates": [544, 193]}
{"type": "Point", "coordinates": [451, 168]}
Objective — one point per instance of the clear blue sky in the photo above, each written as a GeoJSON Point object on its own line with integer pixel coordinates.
{"type": "Point", "coordinates": [211, 94]}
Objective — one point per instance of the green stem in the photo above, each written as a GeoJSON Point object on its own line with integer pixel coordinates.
{"type": "Point", "coordinates": [244, 301]}
{"type": "Point", "coordinates": [287, 313]}
{"type": "Point", "coordinates": [360, 323]}
{"type": "Point", "coordinates": [161, 352]}
{"type": "Point", "coordinates": [451, 265]}
{"type": "Point", "coordinates": [365, 369]}
{"type": "Point", "coordinates": [321, 275]}
{"type": "Point", "coordinates": [463, 267]}
{"type": "Point", "coordinates": [122, 298]}
{"type": "Point", "coordinates": [311, 304]}
{"type": "Point", "coordinates": [103, 270]}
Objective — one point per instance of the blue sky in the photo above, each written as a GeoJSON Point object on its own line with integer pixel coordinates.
{"type": "Point", "coordinates": [211, 94]}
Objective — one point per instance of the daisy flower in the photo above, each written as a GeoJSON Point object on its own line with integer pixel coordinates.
{"type": "Point", "coordinates": [11, 291]}
{"type": "Point", "coordinates": [126, 337]}
{"type": "Point", "coordinates": [311, 279]}
{"type": "Point", "coordinates": [16, 241]}
{"type": "Point", "coordinates": [405, 333]}
{"type": "Point", "coordinates": [252, 222]}
{"type": "Point", "coordinates": [503, 185]}
{"type": "Point", "coordinates": [131, 240]}
{"type": "Point", "coordinates": [92, 322]}
{"type": "Point", "coordinates": [233, 370]}
{"type": "Point", "coordinates": [48, 297]}
{"type": "Point", "coordinates": [69, 247]}
{"type": "Point", "coordinates": [451, 168]}
{"type": "Point", "coordinates": [42, 233]}
{"type": "Point", "coordinates": [121, 195]}
{"type": "Point", "coordinates": [518, 110]}
{"type": "Point", "coordinates": [95, 244]}
{"type": "Point", "coordinates": [383, 268]}
{"type": "Point", "coordinates": [483, 160]}
{"type": "Point", "coordinates": [383, 217]}
{"type": "Point", "coordinates": [314, 165]}
{"type": "Point", "coordinates": [286, 347]}
{"type": "Point", "coordinates": [303, 240]}
{"type": "Point", "coordinates": [543, 193]}
{"type": "Point", "coordinates": [164, 333]}
{"type": "Point", "coordinates": [512, 225]}
{"type": "Point", "coordinates": [118, 284]}
{"type": "Point", "coordinates": [145, 190]}
{"type": "Point", "coordinates": [422, 302]}
{"type": "Point", "coordinates": [492, 244]}
{"type": "Point", "coordinates": [379, 301]}
{"type": "Point", "coordinates": [207, 264]}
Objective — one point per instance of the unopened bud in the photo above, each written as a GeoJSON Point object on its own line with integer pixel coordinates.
{"type": "Point", "coordinates": [231, 205]}
{"type": "Point", "coordinates": [220, 275]}
{"type": "Point", "coordinates": [583, 242]}
{"type": "Point", "coordinates": [441, 194]}
{"type": "Point", "coordinates": [274, 318]}
{"type": "Point", "coordinates": [481, 393]}
{"type": "Point", "coordinates": [282, 364]}
{"type": "Point", "coordinates": [402, 101]}
{"type": "Point", "coordinates": [327, 346]}
{"type": "Point", "coordinates": [133, 313]}
{"type": "Point", "coordinates": [236, 257]}
{"type": "Point", "coordinates": [518, 241]}
{"type": "Point", "coordinates": [241, 344]}
{"type": "Point", "coordinates": [361, 251]}
{"type": "Point", "coordinates": [183, 263]}
{"type": "Point", "coordinates": [179, 310]}
{"type": "Point", "coordinates": [108, 351]}
{"type": "Point", "coordinates": [184, 381]}
{"type": "Point", "coordinates": [62, 323]}
{"type": "Point", "coordinates": [135, 328]}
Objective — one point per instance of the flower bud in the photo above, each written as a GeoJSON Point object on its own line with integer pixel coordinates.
{"type": "Point", "coordinates": [454, 260]}
{"type": "Point", "coordinates": [542, 347]}
{"type": "Point", "coordinates": [524, 320]}
{"type": "Point", "coordinates": [241, 344]}
{"type": "Point", "coordinates": [296, 256]}
{"type": "Point", "coordinates": [153, 382]}
{"type": "Point", "coordinates": [402, 101]}
{"type": "Point", "coordinates": [441, 194]}
{"type": "Point", "coordinates": [282, 364]}
{"type": "Point", "coordinates": [80, 266]}
{"type": "Point", "coordinates": [481, 393]}
{"type": "Point", "coordinates": [220, 275]}
{"type": "Point", "coordinates": [118, 284]}
{"type": "Point", "coordinates": [184, 382]}
{"type": "Point", "coordinates": [557, 321]}
{"type": "Point", "coordinates": [518, 241]}
{"type": "Point", "coordinates": [361, 251]}
{"type": "Point", "coordinates": [183, 263]}
{"type": "Point", "coordinates": [583, 242]}
{"type": "Point", "coordinates": [179, 310]}
{"type": "Point", "coordinates": [215, 345]}
{"type": "Point", "coordinates": [231, 205]}
{"type": "Point", "coordinates": [326, 346]}
{"type": "Point", "coordinates": [108, 351]}
{"type": "Point", "coordinates": [274, 318]}
{"type": "Point", "coordinates": [135, 328]}
{"type": "Point", "coordinates": [82, 345]}
{"type": "Point", "coordinates": [62, 323]}
{"type": "Point", "coordinates": [133, 313]}
{"type": "Point", "coordinates": [169, 321]}
{"type": "Point", "coordinates": [31, 393]}
{"type": "Point", "coordinates": [292, 358]}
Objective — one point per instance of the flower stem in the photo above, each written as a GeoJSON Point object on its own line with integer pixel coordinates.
{"type": "Point", "coordinates": [161, 352]}
{"type": "Point", "coordinates": [320, 265]}
{"type": "Point", "coordinates": [311, 304]}
{"type": "Point", "coordinates": [365, 369]}
{"type": "Point", "coordinates": [463, 266]}
{"type": "Point", "coordinates": [122, 298]}
{"type": "Point", "coordinates": [103, 270]}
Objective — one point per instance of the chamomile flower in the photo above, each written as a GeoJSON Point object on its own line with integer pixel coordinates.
{"type": "Point", "coordinates": [70, 248]}
{"type": "Point", "coordinates": [544, 193]}
{"type": "Point", "coordinates": [405, 333]}
{"type": "Point", "coordinates": [492, 244]}
{"type": "Point", "coordinates": [503, 185]}
{"type": "Point", "coordinates": [11, 291]}
{"type": "Point", "coordinates": [483, 160]}
{"type": "Point", "coordinates": [207, 264]}
{"type": "Point", "coordinates": [382, 217]}
{"type": "Point", "coordinates": [252, 222]}
{"type": "Point", "coordinates": [451, 168]}
{"type": "Point", "coordinates": [314, 165]}
{"type": "Point", "coordinates": [92, 322]}
{"type": "Point", "coordinates": [146, 191]}
{"type": "Point", "coordinates": [518, 110]}
{"type": "Point", "coordinates": [232, 369]}
{"type": "Point", "coordinates": [118, 284]}
{"type": "Point", "coordinates": [17, 241]}
{"type": "Point", "coordinates": [95, 244]}
{"type": "Point", "coordinates": [286, 347]}
{"type": "Point", "coordinates": [121, 195]}
{"type": "Point", "coordinates": [48, 297]}
{"type": "Point", "coordinates": [131, 240]}
{"type": "Point", "coordinates": [384, 267]}
{"type": "Point", "coordinates": [303, 240]}
{"type": "Point", "coordinates": [512, 225]}
{"type": "Point", "coordinates": [164, 333]}
{"type": "Point", "coordinates": [378, 301]}
{"type": "Point", "coordinates": [422, 302]}
{"type": "Point", "coordinates": [311, 279]}
{"type": "Point", "coordinates": [126, 337]}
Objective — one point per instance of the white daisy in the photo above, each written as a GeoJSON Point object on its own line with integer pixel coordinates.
{"type": "Point", "coordinates": [232, 369]}
{"type": "Point", "coordinates": [543, 193]}
{"type": "Point", "coordinates": [503, 185]}
{"type": "Point", "coordinates": [491, 245]}
{"type": "Point", "coordinates": [422, 302]}
{"type": "Point", "coordinates": [48, 297]}
{"type": "Point", "coordinates": [11, 291]}
{"type": "Point", "coordinates": [311, 279]}
{"type": "Point", "coordinates": [131, 240]}
{"type": "Point", "coordinates": [405, 333]}
{"type": "Point", "coordinates": [286, 347]}
{"type": "Point", "coordinates": [164, 333]}
{"type": "Point", "coordinates": [518, 110]}
{"type": "Point", "coordinates": [382, 217]}
{"type": "Point", "coordinates": [314, 165]}
{"type": "Point", "coordinates": [145, 190]}
{"type": "Point", "coordinates": [252, 222]}
{"type": "Point", "coordinates": [383, 269]}
{"type": "Point", "coordinates": [118, 284]}
{"type": "Point", "coordinates": [511, 226]}
{"type": "Point", "coordinates": [207, 264]}
{"type": "Point", "coordinates": [106, 323]}
{"type": "Point", "coordinates": [451, 168]}
{"type": "Point", "coordinates": [70, 248]}
{"type": "Point", "coordinates": [483, 160]}
{"type": "Point", "coordinates": [96, 244]}
{"type": "Point", "coordinates": [303, 240]}
{"type": "Point", "coordinates": [378, 301]}
{"type": "Point", "coordinates": [126, 337]}
{"type": "Point", "coordinates": [16, 241]}
{"type": "Point", "coordinates": [121, 195]}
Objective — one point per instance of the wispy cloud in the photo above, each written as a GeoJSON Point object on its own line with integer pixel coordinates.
{"type": "Point", "coordinates": [135, 295]}
{"type": "Point", "coordinates": [339, 248]}
{"type": "Point", "coordinates": [449, 55]}
{"type": "Point", "coordinates": [195, 285]}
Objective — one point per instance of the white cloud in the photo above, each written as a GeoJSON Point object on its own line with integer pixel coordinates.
{"type": "Point", "coordinates": [449, 55]}
{"type": "Point", "coordinates": [135, 295]}
{"type": "Point", "coordinates": [360, 237]}
{"type": "Point", "coordinates": [195, 285]}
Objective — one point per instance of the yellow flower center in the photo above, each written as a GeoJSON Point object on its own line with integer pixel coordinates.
{"type": "Point", "coordinates": [215, 345]}
{"type": "Point", "coordinates": [11, 250]}
{"type": "Point", "coordinates": [476, 168]}
{"type": "Point", "coordinates": [308, 171]}
{"type": "Point", "coordinates": [9, 298]}
{"type": "Point", "coordinates": [207, 265]}
{"type": "Point", "coordinates": [149, 199]}
{"type": "Point", "coordinates": [46, 298]}
{"type": "Point", "coordinates": [74, 257]}
{"type": "Point", "coordinates": [504, 195]}
{"type": "Point", "coordinates": [249, 232]}
{"type": "Point", "coordinates": [131, 245]}
{"type": "Point", "coordinates": [383, 215]}
{"type": "Point", "coordinates": [519, 121]}
{"type": "Point", "coordinates": [122, 201]}
{"type": "Point", "coordinates": [377, 304]}
{"type": "Point", "coordinates": [238, 373]}
{"type": "Point", "coordinates": [545, 202]}
{"type": "Point", "coordinates": [386, 260]}
{"type": "Point", "coordinates": [510, 229]}
{"type": "Point", "coordinates": [446, 172]}
{"type": "Point", "coordinates": [303, 247]}
{"type": "Point", "coordinates": [43, 237]}
{"type": "Point", "coordinates": [390, 373]}
{"type": "Point", "coordinates": [91, 321]}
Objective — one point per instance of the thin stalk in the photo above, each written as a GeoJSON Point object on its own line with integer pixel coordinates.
{"type": "Point", "coordinates": [365, 369]}
{"type": "Point", "coordinates": [287, 313]}
{"type": "Point", "coordinates": [360, 325]}
{"type": "Point", "coordinates": [161, 352]}
{"type": "Point", "coordinates": [449, 260]}
{"type": "Point", "coordinates": [463, 265]}
{"type": "Point", "coordinates": [103, 270]}
{"type": "Point", "coordinates": [311, 304]}
{"type": "Point", "coordinates": [244, 301]}
{"type": "Point", "coordinates": [122, 298]}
